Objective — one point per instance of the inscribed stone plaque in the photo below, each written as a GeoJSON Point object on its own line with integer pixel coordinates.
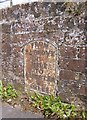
{"type": "Point", "coordinates": [40, 66]}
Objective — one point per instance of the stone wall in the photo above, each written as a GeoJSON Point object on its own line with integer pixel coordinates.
{"type": "Point", "coordinates": [49, 23]}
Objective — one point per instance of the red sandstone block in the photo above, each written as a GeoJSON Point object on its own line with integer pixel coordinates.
{"type": "Point", "coordinates": [72, 64]}
{"type": "Point", "coordinates": [68, 52]}
{"type": "Point", "coordinates": [77, 65]}
{"type": "Point", "coordinates": [83, 90]}
{"type": "Point", "coordinates": [6, 37]}
{"type": "Point", "coordinates": [63, 63]}
{"type": "Point", "coordinates": [25, 37]}
{"type": "Point", "coordinates": [86, 52]}
{"type": "Point", "coordinates": [6, 28]}
{"type": "Point", "coordinates": [82, 52]}
{"type": "Point", "coordinates": [6, 48]}
{"type": "Point", "coordinates": [16, 38]}
{"type": "Point", "coordinates": [72, 52]}
{"type": "Point", "coordinates": [67, 75]}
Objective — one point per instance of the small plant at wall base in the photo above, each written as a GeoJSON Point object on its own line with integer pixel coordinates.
{"type": "Point", "coordinates": [0, 89]}
{"type": "Point", "coordinates": [7, 92]}
{"type": "Point", "coordinates": [53, 107]}
{"type": "Point", "coordinates": [50, 106]}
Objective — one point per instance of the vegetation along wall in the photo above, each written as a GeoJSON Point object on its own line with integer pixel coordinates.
{"type": "Point", "coordinates": [44, 49]}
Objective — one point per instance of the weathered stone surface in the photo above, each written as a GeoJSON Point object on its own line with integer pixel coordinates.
{"type": "Point", "coordinates": [67, 75]}
{"type": "Point", "coordinates": [83, 90]}
{"type": "Point", "coordinates": [27, 59]}
{"type": "Point", "coordinates": [72, 64]}
{"type": "Point", "coordinates": [40, 64]}
{"type": "Point", "coordinates": [68, 51]}
{"type": "Point", "coordinates": [6, 28]}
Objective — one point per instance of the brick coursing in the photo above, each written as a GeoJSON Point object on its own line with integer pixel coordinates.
{"type": "Point", "coordinates": [40, 21]}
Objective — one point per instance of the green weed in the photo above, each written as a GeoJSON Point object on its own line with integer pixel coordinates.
{"type": "Point", "coordinates": [7, 92]}
{"type": "Point", "coordinates": [0, 88]}
{"type": "Point", "coordinates": [53, 106]}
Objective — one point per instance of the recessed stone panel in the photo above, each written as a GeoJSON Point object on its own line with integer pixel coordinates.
{"type": "Point", "coordinates": [40, 66]}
